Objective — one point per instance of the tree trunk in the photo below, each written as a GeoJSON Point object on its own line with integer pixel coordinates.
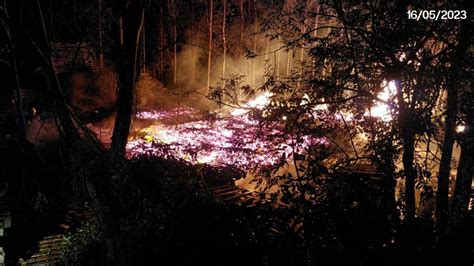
{"type": "Point", "coordinates": [143, 47]}
{"type": "Point", "coordinates": [267, 50]}
{"type": "Point", "coordinates": [193, 50]}
{"type": "Point", "coordinates": [410, 172]}
{"type": "Point", "coordinates": [101, 50]}
{"type": "Point", "coordinates": [173, 13]}
{"type": "Point", "coordinates": [161, 44]}
{"type": "Point", "coordinates": [124, 108]}
{"type": "Point", "coordinates": [302, 53]}
{"type": "Point", "coordinates": [175, 69]}
{"type": "Point", "coordinates": [254, 79]}
{"type": "Point", "coordinates": [446, 156]}
{"type": "Point", "coordinates": [224, 7]}
{"type": "Point", "coordinates": [242, 23]}
{"type": "Point", "coordinates": [316, 25]}
{"type": "Point", "coordinates": [451, 114]}
{"type": "Point", "coordinates": [121, 30]}
{"type": "Point", "coordinates": [126, 81]}
{"type": "Point", "coordinates": [209, 50]}
{"type": "Point", "coordinates": [288, 62]}
{"type": "Point", "coordinates": [104, 201]}
{"type": "Point", "coordinates": [462, 191]}
{"type": "Point", "coordinates": [277, 58]}
{"type": "Point", "coordinates": [408, 156]}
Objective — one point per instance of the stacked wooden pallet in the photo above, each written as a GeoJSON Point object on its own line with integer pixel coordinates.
{"type": "Point", "coordinates": [471, 202]}
{"type": "Point", "coordinates": [49, 248]}
{"type": "Point", "coordinates": [49, 251]}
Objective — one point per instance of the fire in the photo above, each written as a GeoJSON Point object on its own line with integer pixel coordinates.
{"type": "Point", "coordinates": [233, 141]}
{"type": "Point", "coordinates": [236, 140]}
{"type": "Point", "coordinates": [259, 102]}
{"type": "Point", "coordinates": [161, 114]}
{"type": "Point", "coordinates": [382, 110]}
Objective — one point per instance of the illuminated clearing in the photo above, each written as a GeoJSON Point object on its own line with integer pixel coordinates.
{"type": "Point", "coordinates": [235, 140]}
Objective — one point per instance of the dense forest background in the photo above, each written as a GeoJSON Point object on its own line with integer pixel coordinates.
{"type": "Point", "coordinates": [373, 110]}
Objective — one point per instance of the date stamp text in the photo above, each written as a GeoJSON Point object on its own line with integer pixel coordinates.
{"type": "Point", "coordinates": [436, 14]}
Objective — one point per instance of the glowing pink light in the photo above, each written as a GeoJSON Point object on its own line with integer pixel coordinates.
{"type": "Point", "coordinates": [237, 141]}
{"type": "Point", "coordinates": [166, 113]}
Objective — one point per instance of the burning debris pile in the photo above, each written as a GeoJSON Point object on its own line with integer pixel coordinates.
{"type": "Point", "coordinates": [235, 139]}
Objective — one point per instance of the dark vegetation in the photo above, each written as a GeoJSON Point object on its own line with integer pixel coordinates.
{"type": "Point", "coordinates": [163, 210]}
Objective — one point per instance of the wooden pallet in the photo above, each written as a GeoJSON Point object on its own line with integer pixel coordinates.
{"type": "Point", "coordinates": [471, 202]}
{"type": "Point", "coordinates": [49, 252]}
{"type": "Point", "coordinates": [49, 248]}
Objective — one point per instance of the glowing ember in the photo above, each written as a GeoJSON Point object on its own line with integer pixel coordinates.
{"type": "Point", "coordinates": [236, 140]}
{"type": "Point", "coordinates": [166, 113]}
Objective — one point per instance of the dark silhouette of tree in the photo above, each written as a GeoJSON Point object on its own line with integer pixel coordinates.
{"type": "Point", "coordinates": [132, 17]}
{"type": "Point", "coordinates": [356, 50]}
{"type": "Point", "coordinates": [461, 78]}
{"type": "Point", "coordinates": [453, 87]}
